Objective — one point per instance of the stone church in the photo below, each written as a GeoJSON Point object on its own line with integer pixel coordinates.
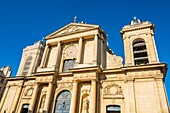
{"type": "Point", "coordinates": [74, 71]}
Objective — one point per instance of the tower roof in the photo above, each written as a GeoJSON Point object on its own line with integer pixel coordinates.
{"type": "Point", "coordinates": [135, 21]}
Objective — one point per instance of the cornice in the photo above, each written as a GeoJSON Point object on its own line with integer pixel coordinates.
{"type": "Point", "coordinates": [70, 33]}
{"type": "Point", "coordinates": [93, 68]}
{"type": "Point", "coordinates": [137, 27]}
{"type": "Point", "coordinates": [162, 66]}
{"type": "Point", "coordinates": [89, 27]}
{"type": "Point", "coordinates": [44, 73]}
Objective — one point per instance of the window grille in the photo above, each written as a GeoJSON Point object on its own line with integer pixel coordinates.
{"type": "Point", "coordinates": [27, 65]}
{"type": "Point", "coordinates": [113, 109]}
{"type": "Point", "coordinates": [140, 53]}
{"type": "Point", "coordinates": [63, 102]}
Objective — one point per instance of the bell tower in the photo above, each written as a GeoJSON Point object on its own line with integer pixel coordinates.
{"type": "Point", "coordinates": [139, 43]}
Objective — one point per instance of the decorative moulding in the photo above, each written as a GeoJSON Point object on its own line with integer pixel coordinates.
{"type": "Point", "coordinates": [113, 91]}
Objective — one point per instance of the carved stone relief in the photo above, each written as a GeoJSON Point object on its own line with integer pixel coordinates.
{"type": "Point", "coordinates": [29, 83]}
{"type": "Point", "coordinates": [28, 91]}
{"type": "Point", "coordinates": [113, 89]}
{"type": "Point", "coordinates": [85, 76]}
{"type": "Point", "coordinates": [70, 29]}
{"type": "Point", "coordinates": [15, 83]}
{"type": "Point", "coordinates": [70, 51]}
{"type": "Point", "coordinates": [86, 91]}
{"type": "Point", "coordinates": [42, 79]}
{"type": "Point", "coordinates": [64, 85]}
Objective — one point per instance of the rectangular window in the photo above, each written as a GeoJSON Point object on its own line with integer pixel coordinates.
{"type": "Point", "coordinates": [68, 64]}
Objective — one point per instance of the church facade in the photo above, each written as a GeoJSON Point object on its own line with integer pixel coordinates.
{"type": "Point", "coordinates": [76, 72]}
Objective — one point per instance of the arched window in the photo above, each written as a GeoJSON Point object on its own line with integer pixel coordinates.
{"type": "Point", "coordinates": [63, 102]}
{"type": "Point", "coordinates": [140, 52]}
{"type": "Point", "coordinates": [113, 109]}
{"type": "Point", "coordinates": [27, 65]}
{"type": "Point", "coordinates": [25, 108]}
{"type": "Point", "coordinates": [68, 64]}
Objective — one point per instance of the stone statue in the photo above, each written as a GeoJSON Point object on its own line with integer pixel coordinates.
{"type": "Point", "coordinates": [85, 105]}
{"type": "Point", "coordinates": [42, 103]}
{"type": "Point", "coordinates": [75, 18]}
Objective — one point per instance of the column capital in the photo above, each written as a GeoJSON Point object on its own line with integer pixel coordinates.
{"type": "Point", "coordinates": [58, 42]}
{"type": "Point", "coordinates": [81, 37]}
{"type": "Point", "coordinates": [50, 83]}
{"type": "Point", "coordinates": [36, 83]}
{"type": "Point", "coordinates": [7, 86]}
{"type": "Point", "coordinates": [75, 81]}
{"type": "Point", "coordinates": [94, 80]}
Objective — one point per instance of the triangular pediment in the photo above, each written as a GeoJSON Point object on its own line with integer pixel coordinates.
{"type": "Point", "coordinates": [72, 28]}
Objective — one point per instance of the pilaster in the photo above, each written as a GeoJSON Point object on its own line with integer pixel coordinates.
{"type": "Point", "coordinates": [131, 96]}
{"type": "Point", "coordinates": [44, 56]}
{"type": "Point", "coordinates": [162, 96]}
{"type": "Point", "coordinates": [93, 96]}
{"type": "Point", "coordinates": [49, 93]}
{"type": "Point", "coordinates": [17, 97]}
{"type": "Point", "coordinates": [95, 49]}
{"type": "Point", "coordinates": [74, 97]}
{"type": "Point", "coordinates": [58, 55]}
{"type": "Point", "coordinates": [4, 97]}
{"type": "Point", "coordinates": [128, 51]}
{"type": "Point", "coordinates": [80, 50]}
{"type": "Point", "coordinates": [102, 53]}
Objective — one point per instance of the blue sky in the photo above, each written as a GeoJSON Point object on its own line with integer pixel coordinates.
{"type": "Point", "coordinates": [23, 22]}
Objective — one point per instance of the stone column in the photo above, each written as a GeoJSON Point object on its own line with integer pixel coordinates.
{"type": "Point", "coordinates": [4, 97]}
{"type": "Point", "coordinates": [92, 108]}
{"type": "Point", "coordinates": [80, 50]}
{"type": "Point", "coordinates": [48, 98]}
{"type": "Point", "coordinates": [74, 97]}
{"type": "Point", "coordinates": [34, 98]}
{"type": "Point", "coordinates": [44, 56]}
{"type": "Point", "coordinates": [95, 49]}
{"type": "Point", "coordinates": [58, 54]}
